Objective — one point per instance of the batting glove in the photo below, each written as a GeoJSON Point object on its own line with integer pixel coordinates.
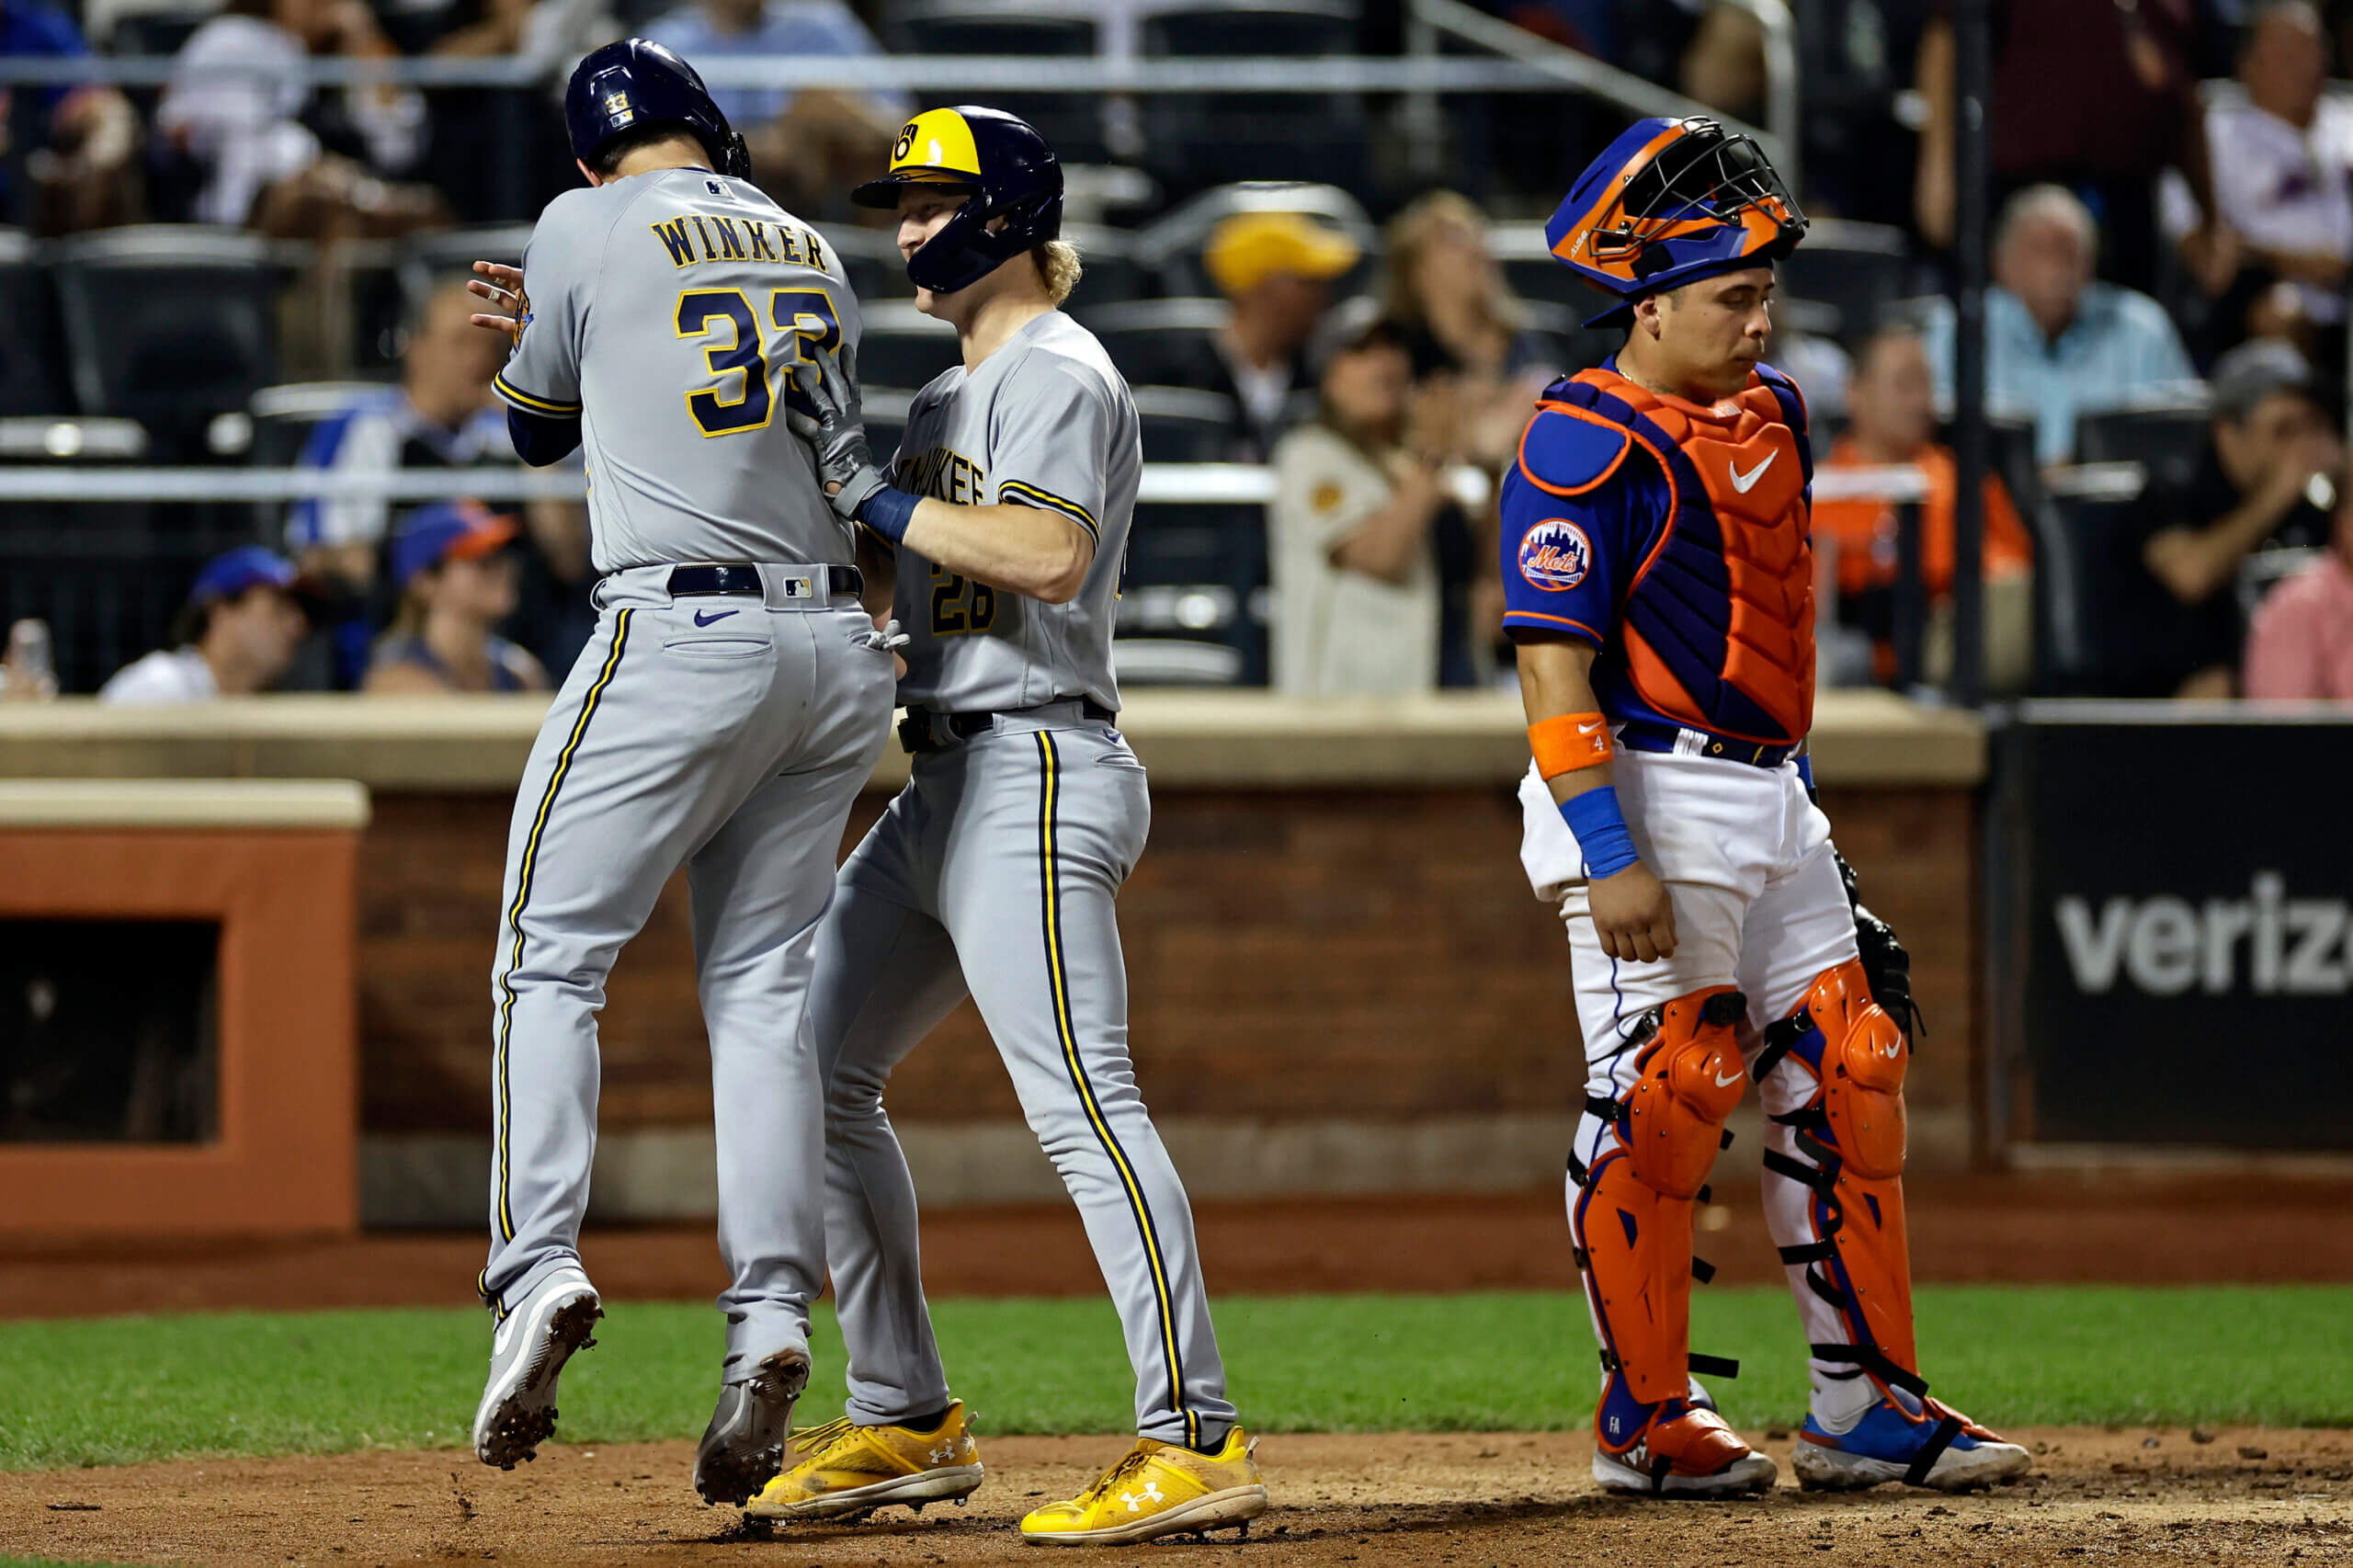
{"type": "Point", "coordinates": [835, 434]}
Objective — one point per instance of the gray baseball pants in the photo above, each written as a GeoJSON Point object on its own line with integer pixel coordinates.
{"type": "Point", "coordinates": [993, 874]}
{"type": "Point", "coordinates": [728, 734]}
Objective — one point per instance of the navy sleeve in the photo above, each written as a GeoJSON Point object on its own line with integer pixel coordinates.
{"type": "Point", "coordinates": [1577, 510]}
{"type": "Point", "coordinates": [539, 438]}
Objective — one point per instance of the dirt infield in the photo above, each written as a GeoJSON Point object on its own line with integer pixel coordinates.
{"type": "Point", "coordinates": [2126, 1496]}
{"type": "Point", "coordinates": [2050, 1228]}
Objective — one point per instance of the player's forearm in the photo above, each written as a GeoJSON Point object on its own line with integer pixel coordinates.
{"type": "Point", "coordinates": [1024, 550]}
{"type": "Point", "coordinates": [2195, 563]}
{"type": "Point", "coordinates": [1386, 544]}
{"type": "Point", "coordinates": [1570, 740]}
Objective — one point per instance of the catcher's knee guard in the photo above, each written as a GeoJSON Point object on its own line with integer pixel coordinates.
{"type": "Point", "coordinates": [1853, 1128]}
{"type": "Point", "coordinates": [1633, 1216]}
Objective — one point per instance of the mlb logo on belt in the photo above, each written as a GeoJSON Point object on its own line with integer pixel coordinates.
{"type": "Point", "coordinates": [1555, 555]}
{"type": "Point", "coordinates": [799, 588]}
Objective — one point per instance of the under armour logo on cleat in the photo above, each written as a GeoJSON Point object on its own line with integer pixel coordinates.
{"type": "Point", "coordinates": [1135, 1502]}
{"type": "Point", "coordinates": [941, 1456]}
{"type": "Point", "coordinates": [705, 617]}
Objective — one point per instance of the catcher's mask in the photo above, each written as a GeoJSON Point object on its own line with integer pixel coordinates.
{"type": "Point", "coordinates": [1669, 202]}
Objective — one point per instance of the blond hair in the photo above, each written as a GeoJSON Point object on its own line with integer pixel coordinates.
{"type": "Point", "coordinates": [1402, 245]}
{"type": "Point", "coordinates": [1057, 267]}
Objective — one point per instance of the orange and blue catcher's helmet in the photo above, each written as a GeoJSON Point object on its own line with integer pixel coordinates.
{"type": "Point", "coordinates": [1669, 202]}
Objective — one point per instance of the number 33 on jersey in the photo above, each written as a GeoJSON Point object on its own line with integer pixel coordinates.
{"type": "Point", "coordinates": [711, 293]}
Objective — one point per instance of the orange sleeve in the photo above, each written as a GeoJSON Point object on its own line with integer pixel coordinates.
{"type": "Point", "coordinates": [2008, 547]}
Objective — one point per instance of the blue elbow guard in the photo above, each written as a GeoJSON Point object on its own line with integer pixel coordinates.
{"type": "Point", "coordinates": [1805, 770]}
{"type": "Point", "coordinates": [887, 512]}
{"type": "Point", "coordinates": [1601, 831]}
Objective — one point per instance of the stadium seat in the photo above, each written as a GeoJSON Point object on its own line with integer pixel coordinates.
{"type": "Point", "coordinates": [1170, 246]}
{"type": "Point", "coordinates": [284, 416]}
{"type": "Point", "coordinates": [2086, 545]}
{"type": "Point", "coordinates": [2166, 438]}
{"type": "Point", "coordinates": [1073, 122]}
{"type": "Point", "coordinates": [1858, 271]}
{"type": "Point", "coordinates": [1183, 425]}
{"type": "Point", "coordinates": [903, 347]}
{"type": "Point", "coordinates": [30, 382]}
{"type": "Point", "coordinates": [886, 421]}
{"type": "Point", "coordinates": [1196, 140]}
{"type": "Point", "coordinates": [871, 259]}
{"type": "Point", "coordinates": [1195, 572]}
{"type": "Point", "coordinates": [168, 325]}
{"type": "Point", "coordinates": [1161, 342]}
{"type": "Point", "coordinates": [1111, 274]}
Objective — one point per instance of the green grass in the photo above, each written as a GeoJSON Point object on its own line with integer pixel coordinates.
{"type": "Point", "coordinates": [112, 1391]}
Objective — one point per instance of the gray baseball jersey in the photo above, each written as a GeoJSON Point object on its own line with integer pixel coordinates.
{"type": "Point", "coordinates": [666, 311]}
{"type": "Point", "coordinates": [995, 874]}
{"type": "Point", "coordinates": [1046, 421]}
{"type": "Point", "coordinates": [726, 726]}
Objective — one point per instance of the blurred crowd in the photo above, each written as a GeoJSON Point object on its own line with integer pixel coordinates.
{"type": "Point", "coordinates": [2173, 236]}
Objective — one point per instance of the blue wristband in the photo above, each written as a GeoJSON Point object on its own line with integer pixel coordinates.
{"type": "Point", "coordinates": [1601, 833]}
{"type": "Point", "coordinates": [1805, 770]}
{"type": "Point", "coordinates": [887, 512]}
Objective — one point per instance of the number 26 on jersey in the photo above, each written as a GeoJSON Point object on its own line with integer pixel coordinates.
{"type": "Point", "coordinates": [738, 396]}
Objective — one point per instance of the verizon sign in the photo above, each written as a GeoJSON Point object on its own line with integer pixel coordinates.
{"type": "Point", "coordinates": [2266, 942]}
{"type": "Point", "coordinates": [2166, 898]}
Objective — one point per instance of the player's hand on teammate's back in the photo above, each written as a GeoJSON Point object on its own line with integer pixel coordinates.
{"type": "Point", "coordinates": [827, 380]}
{"type": "Point", "coordinates": [1633, 915]}
{"type": "Point", "coordinates": [503, 289]}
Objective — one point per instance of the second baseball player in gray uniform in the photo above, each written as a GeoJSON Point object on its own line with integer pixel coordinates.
{"type": "Point", "coordinates": [730, 706]}
{"type": "Point", "coordinates": [995, 872]}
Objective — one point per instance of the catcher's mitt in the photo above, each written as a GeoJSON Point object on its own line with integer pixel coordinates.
{"type": "Point", "coordinates": [1887, 965]}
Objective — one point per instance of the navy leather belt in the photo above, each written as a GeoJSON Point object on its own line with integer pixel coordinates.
{"type": "Point", "coordinates": [1647, 735]}
{"type": "Point", "coordinates": [928, 729]}
{"type": "Point", "coordinates": [694, 581]}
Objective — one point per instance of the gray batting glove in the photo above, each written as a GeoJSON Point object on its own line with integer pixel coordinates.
{"type": "Point", "coordinates": [836, 434]}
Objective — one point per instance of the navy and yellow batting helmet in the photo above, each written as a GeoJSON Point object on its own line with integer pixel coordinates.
{"type": "Point", "coordinates": [1010, 173]}
{"type": "Point", "coordinates": [635, 83]}
{"type": "Point", "coordinates": [1669, 202]}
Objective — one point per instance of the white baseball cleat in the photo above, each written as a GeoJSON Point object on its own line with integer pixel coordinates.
{"type": "Point", "coordinates": [1916, 1441]}
{"type": "Point", "coordinates": [527, 1351]}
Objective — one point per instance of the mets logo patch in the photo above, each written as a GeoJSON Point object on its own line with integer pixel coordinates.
{"type": "Point", "coordinates": [1555, 555]}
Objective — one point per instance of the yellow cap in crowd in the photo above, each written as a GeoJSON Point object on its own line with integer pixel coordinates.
{"type": "Point", "coordinates": [1250, 247]}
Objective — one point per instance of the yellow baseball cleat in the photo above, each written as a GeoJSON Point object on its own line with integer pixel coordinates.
{"type": "Point", "coordinates": [843, 1468]}
{"type": "Point", "coordinates": [1158, 1489]}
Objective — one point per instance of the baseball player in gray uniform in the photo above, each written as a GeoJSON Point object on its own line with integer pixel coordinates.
{"type": "Point", "coordinates": [993, 874]}
{"type": "Point", "coordinates": [733, 699]}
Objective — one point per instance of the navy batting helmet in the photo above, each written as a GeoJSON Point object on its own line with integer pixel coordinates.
{"type": "Point", "coordinates": [637, 83]}
{"type": "Point", "coordinates": [1009, 169]}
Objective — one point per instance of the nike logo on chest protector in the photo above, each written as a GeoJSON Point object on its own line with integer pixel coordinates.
{"type": "Point", "coordinates": [1745, 482]}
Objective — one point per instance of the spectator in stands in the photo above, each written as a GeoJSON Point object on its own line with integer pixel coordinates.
{"type": "Point", "coordinates": [2277, 254]}
{"type": "Point", "coordinates": [1469, 333]}
{"type": "Point", "coordinates": [84, 168]}
{"type": "Point", "coordinates": [2099, 97]}
{"type": "Point", "coordinates": [457, 580]}
{"type": "Point", "coordinates": [234, 107]}
{"type": "Point", "coordinates": [244, 617]}
{"type": "Point", "coordinates": [441, 415]}
{"type": "Point", "coordinates": [2301, 645]}
{"type": "Point", "coordinates": [1276, 271]}
{"type": "Point", "coordinates": [1892, 422]}
{"type": "Point", "coordinates": [2270, 470]}
{"type": "Point", "coordinates": [1356, 579]}
{"type": "Point", "coordinates": [808, 146]}
{"type": "Point", "coordinates": [2058, 343]}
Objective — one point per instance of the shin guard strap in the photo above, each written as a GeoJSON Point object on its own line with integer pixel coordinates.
{"type": "Point", "coordinates": [1869, 1358]}
{"type": "Point", "coordinates": [1715, 1366]}
{"type": "Point", "coordinates": [1932, 1450]}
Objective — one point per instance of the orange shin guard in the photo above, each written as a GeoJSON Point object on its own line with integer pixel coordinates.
{"type": "Point", "coordinates": [1634, 1215]}
{"type": "Point", "coordinates": [1854, 1130]}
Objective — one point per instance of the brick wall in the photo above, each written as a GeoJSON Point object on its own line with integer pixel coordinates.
{"type": "Point", "coordinates": [1294, 956]}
